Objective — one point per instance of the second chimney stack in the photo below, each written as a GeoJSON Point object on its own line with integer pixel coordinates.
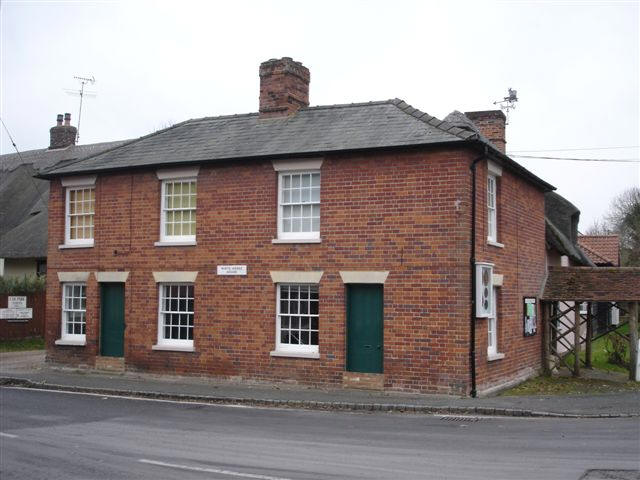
{"type": "Point", "coordinates": [61, 135]}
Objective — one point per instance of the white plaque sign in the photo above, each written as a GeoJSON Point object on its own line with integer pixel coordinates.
{"type": "Point", "coordinates": [232, 269]}
{"type": "Point", "coordinates": [10, 313]}
{"type": "Point", "coordinates": [17, 302]}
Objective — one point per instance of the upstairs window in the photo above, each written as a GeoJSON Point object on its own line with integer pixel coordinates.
{"type": "Point", "coordinates": [80, 209]}
{"type": "Point", "coordinates": [492, 209]}
{"type": "Point", "coordinates": [178, 222]}
{"type": "Point", "coordinates": [299, 205]}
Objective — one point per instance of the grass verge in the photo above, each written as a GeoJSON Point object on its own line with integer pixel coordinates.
{"type": "Point", "coordinates": [556, 385]}
{"type": "Point", "coordinates": [22, 345]}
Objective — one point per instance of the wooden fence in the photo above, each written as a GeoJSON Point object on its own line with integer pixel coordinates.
{"type": "Point", "coordinates": [14, 329]}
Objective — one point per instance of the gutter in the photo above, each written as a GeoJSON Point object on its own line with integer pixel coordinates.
{"type": "Point", "coordinates": [472, 260]}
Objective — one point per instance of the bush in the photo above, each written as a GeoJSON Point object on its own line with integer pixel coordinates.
{"type": "Point", "coordinates": [617, 350]}
{"type": "Point", "coordinates": [21, 286]}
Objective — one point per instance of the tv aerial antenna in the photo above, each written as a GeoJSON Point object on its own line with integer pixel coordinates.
{"type": "Point", "coordinates": [508, 103]}
{"type": "Point", "coordinates": [81, 92]}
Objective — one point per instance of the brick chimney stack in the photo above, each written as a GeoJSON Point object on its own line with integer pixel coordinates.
{"type": "Point", "coordinates": [284, 87]}
{"type": "Point", "coordinates": [61, 135]}
{"type": "Point", "coordinates": [491, 124]}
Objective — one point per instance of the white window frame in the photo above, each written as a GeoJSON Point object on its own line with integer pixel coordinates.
{"type": "Point", "coordinates": [286, 349]}
{"type": "Point", "coordinates": [492, 208]}
{"type": "Point", "coordinates": [81, 338]}
{"type": "Point", "coordinates": [88, 242]}
{"type": "Point", "coordinates": [173, 343]}
{"type": "Point", "coordinates": [163, 212]}
{"type": "Point", "coordinates": [492, 326]}
{"type": "Point", "coordinates": [297, 235]}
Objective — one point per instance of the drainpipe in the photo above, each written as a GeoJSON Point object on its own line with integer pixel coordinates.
{"type": "Point", "coordinates": [472, 342]}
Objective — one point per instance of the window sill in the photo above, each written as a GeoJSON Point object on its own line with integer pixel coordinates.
{"type": "Point", "coordinates": [296, 240]}
{"type": "Point", "coordinates": [176, 244]}
{"type": "Point", "coordinates": [492, 357]}
{"type": "Point", "coordinates": [79, 245]}
{"type": "Point", "coordinates": [280, 353]}
{"type": "Point", "coordinates": [173, 348]}
{"type": "Point", "coordinates": [71, 343]}
{"type": "Point", "coordinates": [495, 244]}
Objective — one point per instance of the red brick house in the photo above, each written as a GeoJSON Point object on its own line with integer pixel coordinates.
{"type": "Point", "coordinates": [324, 245]}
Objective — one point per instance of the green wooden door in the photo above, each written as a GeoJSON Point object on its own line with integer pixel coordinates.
{"type": "Point", "coordinates": [112, 315]}
{"type": "Point", "coordinates": [364, 328]}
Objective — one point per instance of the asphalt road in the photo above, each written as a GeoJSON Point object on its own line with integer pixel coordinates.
{"type": "Point", "coordinates": [56, 435]}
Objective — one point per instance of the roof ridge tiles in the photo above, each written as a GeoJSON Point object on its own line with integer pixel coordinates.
{"type": "Point", "coordinates": [433, 121]}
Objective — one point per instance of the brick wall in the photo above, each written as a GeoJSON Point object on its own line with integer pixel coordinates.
{"type": "Point", "coordinates": [408, 213]}
{"type": "Point", "coordinates": [521, 229]}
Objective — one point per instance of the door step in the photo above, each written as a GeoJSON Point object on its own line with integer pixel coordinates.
{"type": "Point", "coordinates": [110, 364]}
{"type": "Point", "coordinates": [365, 381]}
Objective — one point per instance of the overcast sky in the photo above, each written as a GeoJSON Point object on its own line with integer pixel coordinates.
{"type": "Point", "coordinates": [575, 66]}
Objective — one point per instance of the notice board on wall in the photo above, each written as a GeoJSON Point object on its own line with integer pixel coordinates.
{"type": "Point", "coordinates": [530, 316]}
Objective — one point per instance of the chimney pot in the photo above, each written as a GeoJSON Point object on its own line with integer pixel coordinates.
{"type": "Point", "coordinates": [492, 125]}
{"type": "Point", "coordinates": [62, 135]}
{"type": "Point", "coordinates": [284, 87]}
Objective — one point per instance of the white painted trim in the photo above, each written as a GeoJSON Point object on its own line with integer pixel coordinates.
{"type": "Point", "coordinates": [173, 348]}
{"type": "Point", "coordinates": [175, 277]}
{"type": "Point", "coordinates": [492, 357]}
{"type": "Point", "coordinates": [73, 276]}
{"type": "Point", "coordinates": [295, 277]}
{"type": "Point", "coordinates": [72, 343]}
{"type": "Point", "coordinates": [363, 277]}
{"type": "Point", "coordinates": [78, 245]}
{"type": "Point", "coordinates": [176, 244]}
{"type": "Point", "coordinates": [106, 277]}
{"type": "Point", "coordinates": [281, 353]}
{"type": "Point", "coordinates": [494, 168]}
{"type": "Point", "coordinates": [293, 164]}
{"type": "Point", "coordinates": [498, 279]}
{"type": "Point", "coordinates": [494, 244]}
{"type": "Point", "coordinates": [83, 181]}
{"type": "Point", "coordinates": [296, 240]}
{"type": "Point", "coordinates": [182, 172]}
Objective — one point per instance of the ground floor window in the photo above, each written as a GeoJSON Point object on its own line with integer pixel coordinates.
{"type": "Point", "coordinates": [175, 323]}
{"type": "Point", "coordinates": [492, 326]}
{"type": "Point", "coordinates": [74, 308]}
{"type": "Point", "coordinates": [297, 322]}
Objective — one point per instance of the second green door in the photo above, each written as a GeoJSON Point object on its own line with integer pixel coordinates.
{"type": "Point", "coordinates": [364, 328]}
{"type": "Point", "coordinates": [112, 319]}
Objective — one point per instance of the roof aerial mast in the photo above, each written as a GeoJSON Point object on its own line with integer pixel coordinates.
{"type": "Point", "coordinates": [81, 93]}
{"type": "Point", "coordinates": [508, 103]}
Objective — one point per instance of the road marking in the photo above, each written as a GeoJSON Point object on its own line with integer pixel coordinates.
{"type": "Point", "coordinates": [211, 470]}
{"type": "Point", "coordinates": [8, 435]}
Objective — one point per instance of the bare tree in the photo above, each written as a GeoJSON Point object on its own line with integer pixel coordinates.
{"type": "Point", "coordinates": [624, 218]}
{"type": "Point", "coordinates": [599, 227]}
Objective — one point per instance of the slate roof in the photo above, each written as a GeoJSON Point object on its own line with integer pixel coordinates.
{"type": "Point", "coordinates": [602, 249]}
{"type": "Point", "coordinates": [24, 199]}
{"type": "Point", "coordinates": [313, 130]}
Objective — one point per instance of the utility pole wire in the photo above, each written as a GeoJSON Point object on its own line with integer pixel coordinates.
{"type": "Point", "coordinates": [22, 162]}
{"type": "Point", "coordinates": [612, 160]}
{"type": "Point", "coordinates": [571, 149]}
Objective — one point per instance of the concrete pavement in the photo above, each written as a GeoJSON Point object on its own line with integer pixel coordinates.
{"type": "Point", "coordinates": [622, 404]}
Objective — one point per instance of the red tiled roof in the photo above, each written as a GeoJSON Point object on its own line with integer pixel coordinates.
{"type": "Point", "coordinates": [601, 249]}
